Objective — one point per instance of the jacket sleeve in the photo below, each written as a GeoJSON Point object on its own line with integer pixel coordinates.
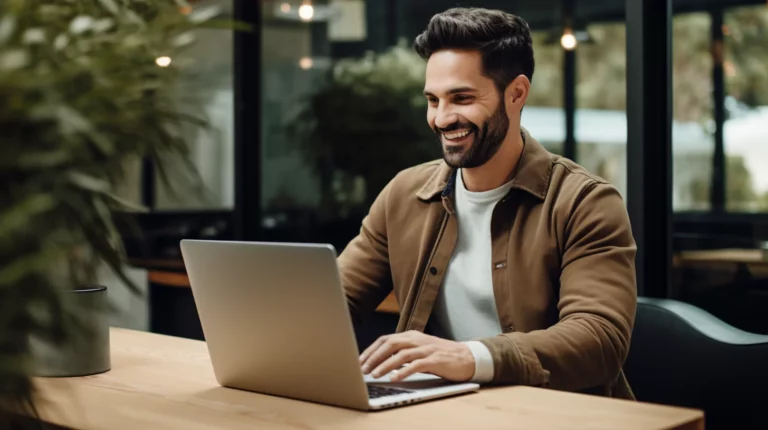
{"type": "Point", "coordinates": [364, 263]}
{"type": "Point", "coordinates": [587, 347]}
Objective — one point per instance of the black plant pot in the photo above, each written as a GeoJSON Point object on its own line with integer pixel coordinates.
{"type": "Point", "coordinates": [87, 351]}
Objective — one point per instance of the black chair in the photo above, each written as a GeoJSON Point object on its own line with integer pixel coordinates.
{"type": "Point", "coordinates": [682, 355]}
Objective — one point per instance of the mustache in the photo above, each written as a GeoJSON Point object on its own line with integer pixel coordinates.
{"type": "Point", "coordinates": [456, 126]}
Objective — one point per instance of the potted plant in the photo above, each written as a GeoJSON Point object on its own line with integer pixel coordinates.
{"type": "Point", "coordinates": [86, 87]}
{"type": "Point", "coordinates": [365, 122]}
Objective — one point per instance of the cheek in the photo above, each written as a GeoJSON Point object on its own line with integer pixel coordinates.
{"type": "Point", "coordinates": [431, 117]}
{"type": "Point", "coordinates": [473, 115]}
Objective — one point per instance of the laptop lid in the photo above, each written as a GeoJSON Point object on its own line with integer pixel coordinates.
{"type": "Point", "coordinates": [276, 320]}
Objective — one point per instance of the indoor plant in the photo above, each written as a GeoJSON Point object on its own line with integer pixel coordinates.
{"type": "Point", "coordinates": [364, 123]}
{"type": "Point", "coordinates": [82, 93]}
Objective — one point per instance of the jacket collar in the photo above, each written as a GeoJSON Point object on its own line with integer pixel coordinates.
{"type": "Point", "coordinates": [532, 173]}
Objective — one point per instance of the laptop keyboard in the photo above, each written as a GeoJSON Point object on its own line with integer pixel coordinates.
{"type": "Point", "coordinates": [376, 391]}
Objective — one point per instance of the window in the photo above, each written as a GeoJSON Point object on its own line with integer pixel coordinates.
{"type": "Point", "coordinates": [205, 90]}
{"type": "Point", "coordinates": [692, 119]}
{"type": "Point", "coordinates": [745, 133]}
{"type": "Point", "coordinates": [601, 99]}
{"type": "Point", "coordinates": [343, 112]}
{"type": "Point", "coordinates": [543, 115]}
{"type": "Point", "coordinates": [208, 87]}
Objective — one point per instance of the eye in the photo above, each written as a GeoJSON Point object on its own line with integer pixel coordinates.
{"type": "Point", "coordinates": [462, 98]}
{"type": "Point", "coordinates": [432, 100]}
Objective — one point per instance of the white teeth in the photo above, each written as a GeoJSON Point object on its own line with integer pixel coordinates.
{"type": "Point", "coordinates": [456, 135]}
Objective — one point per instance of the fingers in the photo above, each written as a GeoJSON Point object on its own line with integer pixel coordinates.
{"type": "Point", "coordinates": [421, 365]}
{"type": "Point", "coordinates": [372, 348]}
{"type": "Point", "coordinates": [404, 356]}
{"type": "Point", "coordinates": [385, 347]}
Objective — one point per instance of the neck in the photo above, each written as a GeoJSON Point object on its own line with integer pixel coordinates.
{"type": "Point", "coordinates": [499, 169]}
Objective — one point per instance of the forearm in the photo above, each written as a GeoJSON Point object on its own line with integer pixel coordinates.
{"type": "Point", "coordinates": [578, 353]}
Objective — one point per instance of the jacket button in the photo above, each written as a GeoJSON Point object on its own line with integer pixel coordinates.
{"type": "Point", "coordinates": [433, 270]}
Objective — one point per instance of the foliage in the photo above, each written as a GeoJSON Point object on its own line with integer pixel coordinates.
{"type": "Point", "coordinates": [81, 97]}
{"type": "Point", "coordinates": [365, 123]}
{"type": "Point", "coordinates": [601, 80]}
{"type": "Point", "coordinates": [746, 63]}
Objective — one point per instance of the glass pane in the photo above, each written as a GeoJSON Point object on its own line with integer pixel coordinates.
{"type": "Point", "coordinates": [692, 127]}
{"type": "Point", "coordinates": [601, 100]}
{"type": "Point", "coordinates": [746, 127]}
{"type": "Point", "coordinates": [543, 115]}
{"type": "Point", "coordinates": [339, 122]}
{"type": "Point", "coordinates": [210, 81]}
{"type": "Point", "coordinates": [335, 131]}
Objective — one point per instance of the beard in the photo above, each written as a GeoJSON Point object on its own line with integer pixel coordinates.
{"type": "Point", "coordinates": [487, 140]}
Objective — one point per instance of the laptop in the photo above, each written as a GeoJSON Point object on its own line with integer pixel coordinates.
{"type": "Point", "coordinates": [276, 321]}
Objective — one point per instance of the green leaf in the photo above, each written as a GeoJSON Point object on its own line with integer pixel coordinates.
{"type": "Point", "coordinates": [111, 6]}
{"type": "Point", "coordinates": [13, 60]}
{"type": "Point", "coordinates": [81, 24]}
{"type": "Point", "coordinates": [133, 18]}
{"type": "Point", "coordinates": [204, 14]}
{"type": "Point", "coordinates": [102, 25]}
{"type": "Point", "coordinates": [106, 221]}
{"type": "Point", "coordinates": [73, 121]}
{"type": "Point", "coordinates": [38, 160]}
{"type": "Point", "coordinates": [61, 42]}
{"type": "Point", "coordinates": [34, 36]}
{"type": "Point", "coordinates": [7, 27]}
{"type": "Point", "coordinates": [125, 205]}
{"type": "Point", "coordinates": [183, 39]}
{"type": "Point", "coordinates": [27, 265]}
{"type": "Point", "coordinates": [19, 215]}
{"type": "Point", "coordinates": [88, 182]}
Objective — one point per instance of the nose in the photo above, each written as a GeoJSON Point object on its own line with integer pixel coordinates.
{"type": "Point", "coordinates": [444, 117]}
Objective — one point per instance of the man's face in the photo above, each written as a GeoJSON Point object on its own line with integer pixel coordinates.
{"type": "Point", "coordinates": [466, 109]}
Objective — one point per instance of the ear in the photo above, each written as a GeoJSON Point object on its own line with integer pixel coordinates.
{"type": "Point", "coordinates": [516, 93]}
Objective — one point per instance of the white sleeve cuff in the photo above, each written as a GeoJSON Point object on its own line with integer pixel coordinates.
{"type": "Point", "coordinates": [483, 362]}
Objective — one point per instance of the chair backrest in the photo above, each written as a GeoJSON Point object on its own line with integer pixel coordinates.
{"type": "Point", "coordinates": [682, 355]}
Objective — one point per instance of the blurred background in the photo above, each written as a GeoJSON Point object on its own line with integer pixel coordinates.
{"type": "Point", "coordinates": [319, 105]}
{"type": "Point", "coordinates": [319, 108]}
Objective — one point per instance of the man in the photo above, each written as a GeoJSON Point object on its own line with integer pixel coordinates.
{"type": "Point", "coordinates": [520, 261]}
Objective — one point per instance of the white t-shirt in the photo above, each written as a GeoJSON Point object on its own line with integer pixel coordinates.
{"type": "Point", "coordinates": [465, 308]}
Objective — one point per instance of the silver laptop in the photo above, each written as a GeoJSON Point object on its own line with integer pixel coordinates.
{"type": "Point", "coordinates": [276, 321]}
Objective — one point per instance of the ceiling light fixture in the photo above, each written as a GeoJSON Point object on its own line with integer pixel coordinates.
{"type": "Point", "coordinates": [306, 11]}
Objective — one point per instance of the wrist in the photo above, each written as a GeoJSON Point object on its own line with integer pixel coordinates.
{"type": "Point", "coordinates": [483, 362]}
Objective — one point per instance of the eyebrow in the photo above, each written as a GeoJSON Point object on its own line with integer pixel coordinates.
{"type": "Point", "coordinates": [454, 91]}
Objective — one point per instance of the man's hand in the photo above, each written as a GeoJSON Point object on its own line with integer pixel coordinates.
{"type": "Point", "coordinates": [422, 353]}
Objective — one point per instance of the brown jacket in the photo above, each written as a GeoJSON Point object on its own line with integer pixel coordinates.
{"type": "Point", "coordinates": [563, 269]}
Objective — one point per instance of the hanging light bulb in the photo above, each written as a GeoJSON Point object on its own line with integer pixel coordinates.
{"type": "Point", "coordinates": [285, 7]}
{"type": "Point", "coordinates": [163, 61]}
{"type": "Point", "coordinates": [306, 11]}
{"type": "Point", "coordinates": [568, 40]}
{"type": "Point", "coordinates": [306, 63]}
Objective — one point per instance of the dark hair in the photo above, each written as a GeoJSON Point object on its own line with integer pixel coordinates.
{"type": "Point", "coordinates": [503, 39]}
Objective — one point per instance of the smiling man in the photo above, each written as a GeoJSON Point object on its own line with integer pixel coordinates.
{"type": "Point", "coordinates": [511, 265]}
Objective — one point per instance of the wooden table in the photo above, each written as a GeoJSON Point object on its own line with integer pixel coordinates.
{"type": "Point", "coordinates": [161, 382]}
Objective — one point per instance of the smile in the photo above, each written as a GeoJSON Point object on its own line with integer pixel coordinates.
{"type": "Point", "coordinates": [457, 134]}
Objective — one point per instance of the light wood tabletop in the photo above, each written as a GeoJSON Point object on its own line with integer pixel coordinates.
{"type": "Point", "coordinates": [167, 383]}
